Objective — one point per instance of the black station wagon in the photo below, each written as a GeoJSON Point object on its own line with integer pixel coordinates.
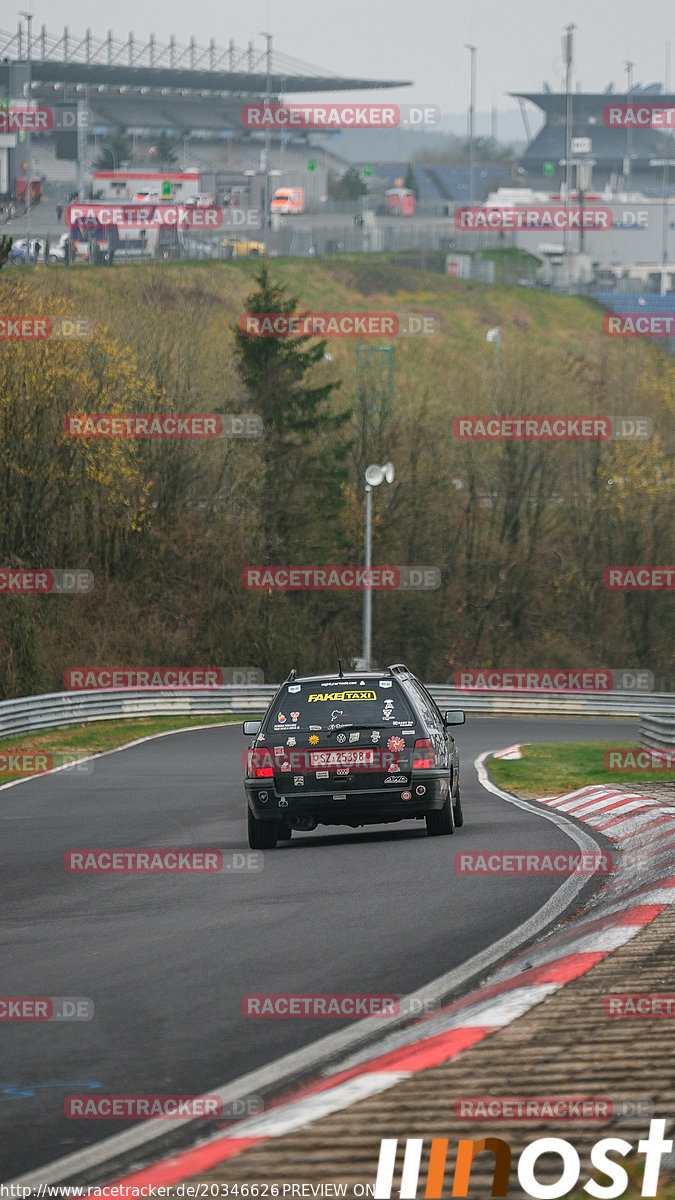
{"type": "Point", "coordinates": [354, 749]}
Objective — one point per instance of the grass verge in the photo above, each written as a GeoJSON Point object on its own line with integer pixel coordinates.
{"type": "Point", "coordinates": [78, 741]}
{"type": "Point", "coordinates": [552, 768]}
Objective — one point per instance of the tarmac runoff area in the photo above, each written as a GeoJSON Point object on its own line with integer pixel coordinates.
{"type": "Point", "coordinates": [537, 1027]}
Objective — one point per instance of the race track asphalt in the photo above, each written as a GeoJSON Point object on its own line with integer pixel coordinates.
{"type": "Point", "coordinates": [166, 959]}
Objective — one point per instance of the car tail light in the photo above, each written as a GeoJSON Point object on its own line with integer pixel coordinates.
{"type": "Point", "coordinates": [423, 754]}
{"type": "Point", "coordinates": [260, 765]}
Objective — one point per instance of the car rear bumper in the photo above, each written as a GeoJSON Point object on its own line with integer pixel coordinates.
{"type": "Point", "coordinates": [366, 806]}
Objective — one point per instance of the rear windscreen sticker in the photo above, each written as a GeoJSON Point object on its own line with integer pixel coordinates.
{"type": "Point", "coordinates": [294, 716]}
{"type": "Point", "coordinates": [384, 683]}
{"type": "Point", "coordinates": [355, 695]}
{"type": "Point", "coordinates": [294, 687]}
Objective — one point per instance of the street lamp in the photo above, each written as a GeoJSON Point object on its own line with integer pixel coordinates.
{"type": "Point", "coordinates": [495, 336]}
{"type": "Point", "coordinates": [374, 476]}
{"type": "Point", "coordinates": [472, 117]}
{"type": "Point", "coordinates": [665, 163]}
{"type": "Point", "coordinates": [27, 93]}
{"type": "Point", "coordinates": [268, 69]}
{"type": "Point", "coordinates": [568, 54]}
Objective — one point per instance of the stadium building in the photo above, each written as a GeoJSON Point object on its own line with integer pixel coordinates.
{"type": "Point", "coordinates": [192, 94]}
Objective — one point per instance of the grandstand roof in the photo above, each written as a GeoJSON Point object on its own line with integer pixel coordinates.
{"type": "Point", "coordinates": [74, 60]}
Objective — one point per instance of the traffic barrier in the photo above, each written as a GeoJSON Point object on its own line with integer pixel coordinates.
{"type": "Point", "coordinates": [657, 729]}
{"type": "Point", "coordinates": [24, 715]}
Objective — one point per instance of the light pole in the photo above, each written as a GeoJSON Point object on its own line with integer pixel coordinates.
{"type": "Point", "coordinates": [27, 93]}
{"type": "Point", "coordinates": [627, 162]}
{"type": "Point", "coordinates": [472, 118]}
{"type": "Point", "coordinates": [268, 69]}
{"type": "Point", "coordinates": [568, 53]}
{"type": "Point", "coordinates": [374, 476]}
{"type": "Point", "coordinates": [665, 163]}
{"type": "Point", "coordinates": [495, 336]}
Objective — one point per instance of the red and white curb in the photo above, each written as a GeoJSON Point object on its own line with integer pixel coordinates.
{"type": "Point", "coordinates": [639, 890]}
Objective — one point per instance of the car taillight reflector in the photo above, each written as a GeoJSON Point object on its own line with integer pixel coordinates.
{"type": "Point", "coordinates": [423, 754]}
{"type": "Point", "coordinates": [260, 764]}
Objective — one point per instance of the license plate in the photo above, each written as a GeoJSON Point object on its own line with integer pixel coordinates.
{"type": "Point", "coordinates": [341, 758]}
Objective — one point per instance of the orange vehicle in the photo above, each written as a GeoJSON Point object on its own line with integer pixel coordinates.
{"type": "Point", "coordinates": [287, 201]}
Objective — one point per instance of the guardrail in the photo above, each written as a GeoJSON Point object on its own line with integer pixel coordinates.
{"type": "Point", "coordinates": [56, 709]}
{"type": "Point", "coordinates": [658, 729]}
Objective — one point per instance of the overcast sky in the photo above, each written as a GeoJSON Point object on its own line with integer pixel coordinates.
{"type": "Point", "coordinates": [518, 42]}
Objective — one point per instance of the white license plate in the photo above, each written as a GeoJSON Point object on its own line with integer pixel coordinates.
{"type": "Point", "coordinates": [341, 758]}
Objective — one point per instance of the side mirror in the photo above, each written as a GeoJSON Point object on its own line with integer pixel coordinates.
{"type": "Point", "coordinates": [252, 728]}
{"type": "Point", "coordinates": [454, 716]}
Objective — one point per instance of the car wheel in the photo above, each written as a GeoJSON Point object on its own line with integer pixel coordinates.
{"type": "Point", "coordinates": [262, 835]}
{"type": "Point", "coordinates": [459, 815]}
{"type": "Point", "coordinates": [443, 821]}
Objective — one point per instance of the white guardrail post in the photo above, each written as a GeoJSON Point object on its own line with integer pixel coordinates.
{"type": "Point", "coordinates": [655, 710]}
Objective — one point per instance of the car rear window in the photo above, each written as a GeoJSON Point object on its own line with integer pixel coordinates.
{"type": "Point", "coordinates": [332, 703]}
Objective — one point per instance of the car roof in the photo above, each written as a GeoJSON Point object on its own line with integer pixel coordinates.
{"type": "Point", "coordinates": [396, 669]}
